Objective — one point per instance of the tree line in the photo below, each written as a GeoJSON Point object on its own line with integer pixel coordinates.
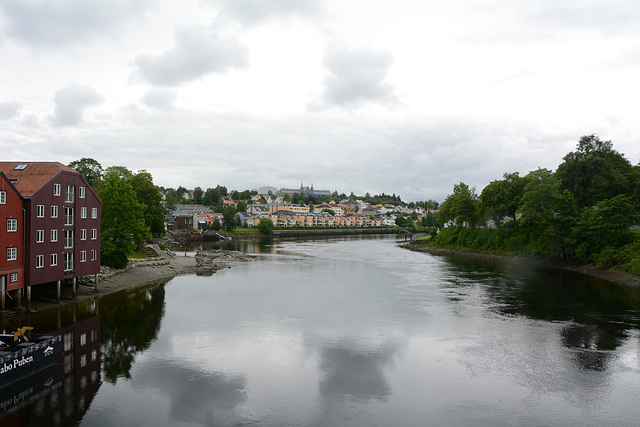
{"type": "Point", "coordinates": [584, 210]}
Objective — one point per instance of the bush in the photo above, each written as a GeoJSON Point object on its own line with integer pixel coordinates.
{"type": "Point", "coordinates": [115, 259]}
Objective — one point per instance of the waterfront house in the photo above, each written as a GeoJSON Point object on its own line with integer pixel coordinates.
{"type": "Point", "coordinates": [61, 235]}
{"type": "Point", "coordinates": [11, 237]}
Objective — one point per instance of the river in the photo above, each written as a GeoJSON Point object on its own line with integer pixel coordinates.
{"type": "Point", "coordinates": [347, 332]}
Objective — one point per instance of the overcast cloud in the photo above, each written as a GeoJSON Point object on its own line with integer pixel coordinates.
{"type": "Point", "coordinates": [407, 97]}
{"type": "Point", "coordinates": [71, 101]}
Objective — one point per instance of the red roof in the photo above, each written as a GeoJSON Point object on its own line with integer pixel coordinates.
{"type": "Point", "coordinates": [30, 178]}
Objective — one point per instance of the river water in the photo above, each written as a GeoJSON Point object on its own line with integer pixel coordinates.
{"type": "Point", "coordinates": [348, 332]}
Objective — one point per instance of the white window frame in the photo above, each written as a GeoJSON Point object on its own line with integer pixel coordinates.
{"type": "Point", "coordinates": [83, 234]}
{"type": "Point", "coordinates": [12, 253]}
{"type": "Point", "coordinates": [54, 211]}
{"type": "Point", "coordinates": [53, 260]}
{"type": "Point", "coordinates": [57, 189]}
{"type": "Point", "coordinates": [68, 239]}
{"type": "Point", "coordinates": [12, 225]}
{"type": "Point", "coordinates": [3, 197]}
{"type": "Point", "coordinates": [39, 236]}
{"type": "Point", "coordinates": [39, 261]}
{"type": "Point", "coordinates": [94, 213]}
{"type": "Point", "coordinates": [40, 211]}
{"type": "Point", "coordinates": [81, 192]}
{"type": "Point", "coordinates": [83, 256]}
{"type": "Point", "coordinates": [83, 212]}
{"type": "Point", "coordinates": [68, 261]}
{"type": "Point", "coordinates": [94, 233]}
{"type": "Point", "coordinates": [68, 216]}
{"type": "Point", "coordinates": [69, 193]}
{"type": "Point", "coordinates": [93, 254]}
{"type": "Point", "coordinates": [54, 235]}
{"type": "Point", "coordinates": [13, 277]}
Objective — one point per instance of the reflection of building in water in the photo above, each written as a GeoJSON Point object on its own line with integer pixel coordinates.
{"type": "Point", "coordinates": [61, 394]}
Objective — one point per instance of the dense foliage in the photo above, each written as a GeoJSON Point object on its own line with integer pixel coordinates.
{"type": "Point", "coordinates": [583, 211]}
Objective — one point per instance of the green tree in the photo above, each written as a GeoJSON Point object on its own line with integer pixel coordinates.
{"type": "Point", "coordinates": [607, 225]}
{"type": "Point", "coordinates": [265, 226]}
{"type": "Point", "coordinates": [90, 169]}
{"type": "Point", "coordinates": [123, 226]}
{"type": "Point", "coordinates": [211, 197]}
{"type": "Point", "coordinates": [171, 197]}
{"type": "Point", "coordinates": [502, 198]}
{"type": "Point", "coordinates": [241, 207]}
{"type": "Point", "coordinates": [149, 196]}
{"type": "Point", "coordinates": [197, 195]}
{"type": "Point", "coordinates": [595, 172]}
{"type": "Point", "coordinates": [228, 218]}
{"type": "Point", "coordinates": [461, 206]}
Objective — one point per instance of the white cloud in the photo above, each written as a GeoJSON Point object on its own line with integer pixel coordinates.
{"type": "Point", "coordinates": [197, 53]}
{"type": "Point", "coordinates": [9, 109]}
{"type": "Point", "coordinates": [406, 97]}
{"type": "Point", "coordinates": [160, 99]}
{"type": "Point", "coordinates": [56, 23]}
{"type": "Point", "coordinates": [71, 102]}
{"type": "Point", "coordinates": [251, 12]}
{"type": "Point", "coordinates": [357, 76]}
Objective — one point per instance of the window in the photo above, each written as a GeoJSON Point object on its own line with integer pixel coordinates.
{"type": "Point", "coordinates": [94, 234]}
{"type": "Point", "coordinates": [93, 254]}
{"type": "Point", "coordinates": [3, 197]}
{"type": "Point", "coordinates": [83, 212]}
{"type": "Point", "coordinates": [53, 260]}
{"type": "Point", "coordinates": [54, 212]}
{"type": "Point", "coordinates": [68, 261]}
{"type": "Point", "coordinates": [54, 236]}
{"type": "Point", "coordinates": [83, 256]}
{"type": "Point", "coordinates": [12, 254]}
{"type": "Point", "coordinates": [13, 277]}
{"type": "Point", "coordinates": [94, 213]}
{"type": "Point", "coordinates": [81, 192]}
{"type": "Point", "coordinates": [39, 261]}
{"type": "Point", "coordinates": [83, 234]}
{"type": "Point", "coordinates": [21, 166]}
{"type": "Point", "coordinates": [12, 225]}
{"type": "Point", "coordinates": [39, 236]}
{"type": "Point", "coordinates": [68, 239]}
{"type": "Point", "coordinates": [40, 211]}
{"type": "Point", "coordinates": [69, 194]}
{"type": "Point", "coordinates": [68, 216]}
{"type": "Point", "coordinates": [56, 189]}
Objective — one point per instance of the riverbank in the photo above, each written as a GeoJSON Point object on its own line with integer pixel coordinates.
{"type": "Point", "coordinates": [586, 269]}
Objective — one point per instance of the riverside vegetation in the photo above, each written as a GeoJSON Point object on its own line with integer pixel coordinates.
{"type": "Point", "coordinates": [583, 212]}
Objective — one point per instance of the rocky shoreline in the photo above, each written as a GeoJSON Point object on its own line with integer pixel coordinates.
{"type": "Point", "coordinates": [138, 273]}
{"type": "Point", "coordinates": [587, 269]}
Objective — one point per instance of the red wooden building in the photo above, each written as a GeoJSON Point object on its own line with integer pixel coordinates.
{"type": "Point", "coordinates": [61, 221]}
{"type": "Point", "coordinates": [11, 236]}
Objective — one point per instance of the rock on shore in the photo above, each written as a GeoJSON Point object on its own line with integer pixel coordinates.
{"type": "Point", "coordinates": [208, 262]}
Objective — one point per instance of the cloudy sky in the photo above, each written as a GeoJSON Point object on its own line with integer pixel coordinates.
{"type": "Point", "coordinates": [405, 96]}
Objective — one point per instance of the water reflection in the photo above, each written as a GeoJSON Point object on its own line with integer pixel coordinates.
{"type": "Point", "coordinates": [360, 332]}
{"type": "Point", "coordinates": [129, 328]}
{"type": "Point", "coordinates": [356, 374]}
{"type": "Point", "coordinates": [61, 394]}
{"type": "Point", "coordinates": [195, 396]}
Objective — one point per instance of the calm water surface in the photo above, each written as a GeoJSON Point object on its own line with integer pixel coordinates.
{"type": "Point", "coordinates": [355, 332]}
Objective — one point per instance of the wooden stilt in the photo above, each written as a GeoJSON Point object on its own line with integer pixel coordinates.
{"type": "Point", "coordinates": [58, 289]}
{"type": "Point", "coordinates": [3, 289]}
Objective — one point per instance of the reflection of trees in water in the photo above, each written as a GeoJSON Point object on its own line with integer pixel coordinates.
{"type": "Point", "coordinates": [601, 314]}
{"type": "Point", "coordinates": [195, 396]}
{"type": "Point", "coordinates": [130, 323]}
{"type": "Point", "coordinates": [356, 373]}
